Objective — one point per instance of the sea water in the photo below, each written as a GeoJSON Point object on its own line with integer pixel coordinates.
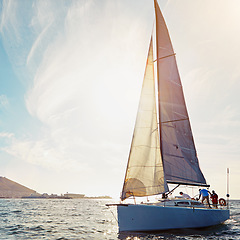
{"type": "Point", "coordinates": [90, 219]}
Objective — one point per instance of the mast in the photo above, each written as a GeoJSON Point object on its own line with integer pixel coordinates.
{"type": "Point", "coordinates": [159, 113]}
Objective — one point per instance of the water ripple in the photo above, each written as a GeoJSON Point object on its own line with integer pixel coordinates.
{"type": "Point", "coordinates": [90, 219]}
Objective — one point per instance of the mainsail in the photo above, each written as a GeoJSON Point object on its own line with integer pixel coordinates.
{"type": "Point", "coordinates": [144, 174]}
{"type": "Point", "coordinates": [177, 146]}
{"type": "Point", "coordinates": [168, 154]}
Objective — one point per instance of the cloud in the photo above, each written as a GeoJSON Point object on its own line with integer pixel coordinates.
{"type": "Point", "coordinates": [80, 85]}
{"type": "Point", "coordinates": [40, 152]}
{"type": "Point", "coordinates": [6, 135]}
{"type": "Point", "coordinates": [77, 93]}
{"type": "Point", "coordinates": [8, 18]}
{"type": "Point", "coordinates": [3, 101]}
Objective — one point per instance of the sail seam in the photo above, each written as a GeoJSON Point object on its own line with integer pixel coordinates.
{"type": "Point", "coordinates": [189, 183]}
{"type": "Point", "coordinates": [177, 120]}
{"type": "Point", "coordinates": [145, 146]}
{"type": "Point", "coordinates": [146, 166]}
{"type": "Point", "coordinates": [165, 57]}
{"type": "Point", "coordinates": [157, 186]}
{"type": "Point", "coordinates": [171, 155]}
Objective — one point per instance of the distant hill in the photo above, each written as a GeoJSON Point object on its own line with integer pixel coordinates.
{"type": "Point", "coordinates": [11, 189]}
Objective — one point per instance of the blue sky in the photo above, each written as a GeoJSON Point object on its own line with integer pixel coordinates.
{"type": "Point", "coordinates": [70, 77]}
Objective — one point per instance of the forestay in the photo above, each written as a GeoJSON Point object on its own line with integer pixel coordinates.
{"type": "Point", "coordinates": [144, 174]}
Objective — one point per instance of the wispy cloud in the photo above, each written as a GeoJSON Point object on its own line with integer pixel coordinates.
{"type": "Point", "coordinates": [3, 101]}
{"type": "Point", "coordinates": [80, 84]}
{"type": "Point", "coordinates": [6, 135]}
{"type": "Point", "coordinates": [8, 17]}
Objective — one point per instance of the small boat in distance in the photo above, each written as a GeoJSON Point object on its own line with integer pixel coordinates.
{"type": "Point", "coordinates": [163, 151]}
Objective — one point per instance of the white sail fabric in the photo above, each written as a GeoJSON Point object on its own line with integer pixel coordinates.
{"type": "Point", "coordinates": [177, 146]}
{"type": "Point", "coordinates": [144, 174]}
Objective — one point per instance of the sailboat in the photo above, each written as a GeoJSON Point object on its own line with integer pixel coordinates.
{"type": "Point", "coordinates": [163, 151]}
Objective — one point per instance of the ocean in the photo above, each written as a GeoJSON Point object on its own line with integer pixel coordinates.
{"type": "Point", "coordinates": [90, 219]}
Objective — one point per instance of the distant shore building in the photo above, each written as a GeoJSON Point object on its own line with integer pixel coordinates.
{"type": "Point", "coordinates": [74, 195]}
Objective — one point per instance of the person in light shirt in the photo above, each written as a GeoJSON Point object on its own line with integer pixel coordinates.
{"type": "Point", "coordinates": [205, 195]}
{"type": "Point", "coordinates": [184, 195]}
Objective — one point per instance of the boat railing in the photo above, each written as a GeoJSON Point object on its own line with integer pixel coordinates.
{"type": "Point", "coordinates": [163, 203]}
{"type": "Point", "coordinates": [186, 203]}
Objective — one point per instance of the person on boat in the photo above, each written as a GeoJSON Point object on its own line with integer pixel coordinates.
{"type": "Point", "coordinates": [184, 195]}
{"type": "Point", "coordinates": [164, 196]}
{"type": "Point", "coordinates": [214, 198]}
{"type": "Point", "coordinates": [205, 196]}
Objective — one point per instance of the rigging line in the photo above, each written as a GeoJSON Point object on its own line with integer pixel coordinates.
{"type": "Point", "coordinates": [113, 214]}
{"type": "Point", "coordinates": [170, 192]}
{"type": "Point", "coordinates": [176, 120]}
{"type": "Point", "coordinates": [154, 129]}
{"type": "Point", "coordinates": [165, 57]}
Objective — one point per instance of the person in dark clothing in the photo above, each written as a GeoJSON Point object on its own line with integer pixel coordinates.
{"type": "Point", "coordinates": [164, 196]}
{"type": "Point", "coordinates": [214, 198]}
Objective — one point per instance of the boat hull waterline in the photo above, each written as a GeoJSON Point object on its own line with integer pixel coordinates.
{"type": "Point", "coordinates": [142, 217]}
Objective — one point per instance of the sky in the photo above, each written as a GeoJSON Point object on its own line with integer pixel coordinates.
{"type": "Point", "coordinates": [70, 82]}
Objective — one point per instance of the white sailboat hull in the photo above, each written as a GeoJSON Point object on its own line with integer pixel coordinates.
{"type": "Point", "coordinates": [142, 217]}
